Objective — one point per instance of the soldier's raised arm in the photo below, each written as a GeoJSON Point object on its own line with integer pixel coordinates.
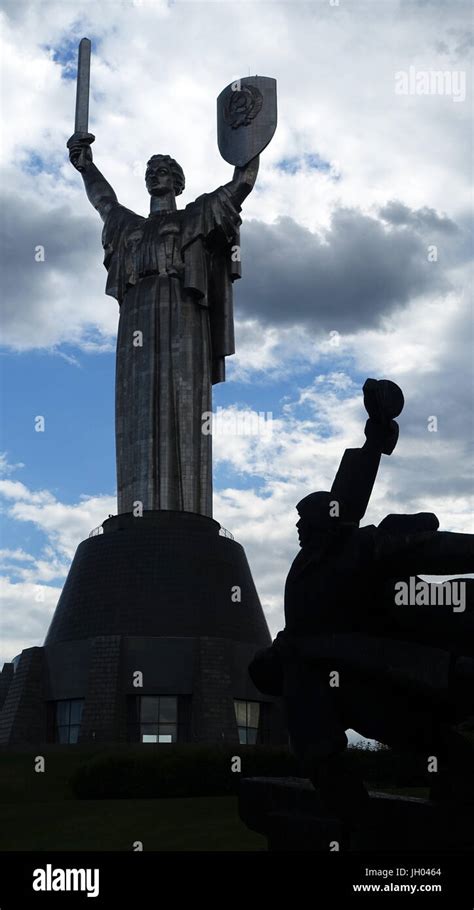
{"type": "Point", "coordinates": [358, 469]}
{"type": "Point", "coordinates": [99, 192]}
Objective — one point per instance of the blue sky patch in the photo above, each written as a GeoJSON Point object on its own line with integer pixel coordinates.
{"type": "Point", "coordinates": [66, 53]}
{"type": "Point", "coordinates": [33, 163]}
{"type": "Point", "coordinates": [310, 160]}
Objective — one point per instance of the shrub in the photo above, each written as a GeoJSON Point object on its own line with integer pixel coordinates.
{"type": "Point", "coordinates": [174, 770]}
{"type": "Point", "coordinates": [139, 772]}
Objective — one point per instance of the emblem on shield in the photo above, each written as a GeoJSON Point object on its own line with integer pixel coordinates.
{"type": "Point", "coordinates": [246, 118]}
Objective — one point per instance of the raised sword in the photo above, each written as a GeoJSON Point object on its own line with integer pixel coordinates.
{"type": "Point", "coordinates": [81, 126]}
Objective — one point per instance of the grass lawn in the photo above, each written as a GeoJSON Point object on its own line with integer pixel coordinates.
{"type": "Point", "coordinates": [201, 823]}
{"type": "Point", "coordinates": [39, 812]}
{"type": "Point", "coordinates": [161, 824]}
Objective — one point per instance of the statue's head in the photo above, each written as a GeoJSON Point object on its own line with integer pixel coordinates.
{"type": "Point", "coordinates": [321, 513]}
{"type": "Point", "coordinates": [163, 175]}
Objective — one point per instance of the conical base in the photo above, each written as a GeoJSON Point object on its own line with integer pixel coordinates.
{"type": "Point", "coordinates": [160, 606]}
{"type": "Point", "coordinates": [165, 574]}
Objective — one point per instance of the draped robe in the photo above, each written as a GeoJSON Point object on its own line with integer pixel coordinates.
{"type": "Point", "coordinates": [172, 275]}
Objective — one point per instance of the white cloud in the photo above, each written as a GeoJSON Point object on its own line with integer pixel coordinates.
{"type": "Point", "coordinates": [27, 609]}
{"type": "Point", "coordinates": [64, 525]}
{"type": "Point", "coordinates": [6, 467]}
{"type": "Point", "coordinates": [17, 555]}
{"type": "Point", "coordinates": [28, 597]}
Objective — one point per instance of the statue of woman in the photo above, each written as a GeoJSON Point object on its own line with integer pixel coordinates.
{"type": "Point", "coordinates": [172, 275]}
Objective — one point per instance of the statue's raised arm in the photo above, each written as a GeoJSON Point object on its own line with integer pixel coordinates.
{"type": "Point", "coordinates": [99, 192]}
{"type": "Point", "coordinates": [243, 180]}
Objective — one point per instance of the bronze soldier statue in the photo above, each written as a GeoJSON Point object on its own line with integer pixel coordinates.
{"type": "Point", "coordinates": [350, 657]}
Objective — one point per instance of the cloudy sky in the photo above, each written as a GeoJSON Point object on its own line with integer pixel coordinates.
{"type": "Point", "coordinates": [355, 249]}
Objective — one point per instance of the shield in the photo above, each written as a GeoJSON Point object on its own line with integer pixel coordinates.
{"type": "Point", "coordinates": [246, 118]}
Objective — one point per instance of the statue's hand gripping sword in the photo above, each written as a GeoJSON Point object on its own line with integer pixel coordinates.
{"type": "Point", "coordinates": [81, 134]}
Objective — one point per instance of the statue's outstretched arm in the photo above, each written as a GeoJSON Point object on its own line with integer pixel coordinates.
{"type": "Point", "coordinates": [424, 553]}
{"type": "Point", "coordinates": [357, 472]}
{"type": "Point", "coordinates": [99, 192]}
{"type": "Point", "coordinates": [243, 180]}
{"type": "Point", "coordinates": [355, 480]}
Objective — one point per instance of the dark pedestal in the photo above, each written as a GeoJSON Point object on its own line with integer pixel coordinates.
{"type": "Point", "coordinates": [166, 574]}
{"type": "Point", "coordinates": [171, 597]}
{"type": "Point", "coordinates": [287, 811]}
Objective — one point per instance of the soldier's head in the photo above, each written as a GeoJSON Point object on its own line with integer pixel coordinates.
{"type": "Point", "coordinates": [164, 175]}
{"type": "Point", "coordinates": [321, 513]}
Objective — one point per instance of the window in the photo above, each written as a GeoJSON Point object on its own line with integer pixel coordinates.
{"type": "Point", "coordinates": [157, 718]}
{"type": "Point", "coordinates": [67, 716]}
{"type": "Point", "coordinates": [248, 716]}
